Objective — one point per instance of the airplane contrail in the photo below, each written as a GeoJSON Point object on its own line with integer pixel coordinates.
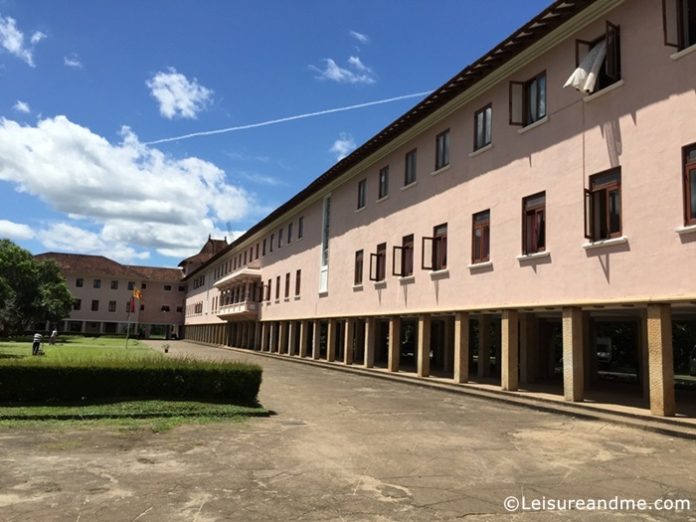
{"type": "Point", "coordinates": [288, 118]}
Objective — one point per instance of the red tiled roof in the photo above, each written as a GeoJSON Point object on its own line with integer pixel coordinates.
{"type": "Point", "coordinates": [153, 273]}
{"type": "Point", "coordinates": [86, 264]}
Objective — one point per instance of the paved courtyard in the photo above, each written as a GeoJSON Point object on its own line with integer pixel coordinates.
{"type": "Point", "coordinates": [342, 447]}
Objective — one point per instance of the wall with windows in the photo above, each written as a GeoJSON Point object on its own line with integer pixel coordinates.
{"type": "Point", "coordinates": [585, 197]}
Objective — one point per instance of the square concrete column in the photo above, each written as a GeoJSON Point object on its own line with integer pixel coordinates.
{"type": "Point", "coordinates": [424, 324]}
{"type": "Point", "coordinates": [509, 369]}
{"type": "Point", "coordinates": [394, 344]}
{"type": "Point", "coordinates": [316, 325]}
{"type": "Point", "coordinates": [331, 341]}
{"type": "Point", "coordinates": [292, 337]}
{"type": "Point", "coordinates": [303, 338]}
{"type": "Point", "coordinates": [264, 337]}
{"type": "Point", "coordinates": [257, 336]}
{"type": "Point", "coordinates": [484, 343]}
{"type": "Point", "coordinates": [282, 336]}
{"type": "Point", "coordinates": [348, 341]}
{"type": "Point", "coordinates": [573, 351]}
{"type": "Point", "coordinates": [273, 343]}
{"type": "Point", "coordinates": [370, 326]}
{"type": "Point", "coordinates": [448, 340]}
{"type": "Point", "coordinates": [529, 351]}
{"type": "Point", "coordinates": [461, 347]}
{"type": "Point", "coordinates": [661, 360]}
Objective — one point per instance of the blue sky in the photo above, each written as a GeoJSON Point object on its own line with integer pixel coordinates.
{"type": "Point", "coordinates": [88, 86]}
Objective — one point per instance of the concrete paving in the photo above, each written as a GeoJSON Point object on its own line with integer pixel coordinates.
{"type": "Point", "coordinates": [343, 446]}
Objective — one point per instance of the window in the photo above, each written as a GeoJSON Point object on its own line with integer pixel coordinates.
{"type": "Point", "coordinates": [402, 258]}
{"type": "Point", "coordinates": [277, 293]}
{"type": "Point", "coordinates": [481, 237]}
{"type": "Point", "coordinates": [268, 290]}
{"type": "Point", "coordinates": [300, 227]}
{"type": "Point", "coordinates": [165, 308]}
{"type": "Point", "coordinates": [383, 180]}
{"type": "Point", "coordinates": [690, 185]}
{"type": "Point", "coordinates": [603, 205]}
{"type": "Point", "coordinates": [244, 259]}
{"type": "Point", "coordinates": [534, 223]}
{"type": "Point", "coordinates": [112, 306]}
{"type": "Point", "coordinates": [263, 248]}
{"type": "Point", "coordinates": [325, 235]}
{"type": "Point", "coordinates": [280, 238]}
{"type": "Point", "coordinates": [179, 309]}
{"type": "Point", "coordinates": [679, 23]}
{"type": "Point", "coordinates": [434, 249]}
{"type": "Point", "coordinates": [378, 263]}
{"type": "Point", "coordinates": [287, 285]}
{"type": "Point", "coordinates": [482, 126]}
{"type": "Point", "coordinates": [442, 150]}
{"type": "Point", "coordinates": [602, 55]}
{"type": "Point", "coordinates": [167, 288]}
{"type": "Point", "coordinates": [182, 288]}
{"type": "Point", "coordinates": [142, 307]}
{"type": "Point", "coordinates": [410, 167]}
{"type": "Point", "coordinates": [270, 246]}
{"type": "Point", "coordinates": [130, 306]}
{"type": "Point", "coordinates": [96, 283]}
{"type": "Point", "coordinates": [256, 256]}
{"type": "Point", "coordinates": [79, 282]}
{"type": "Point", "coordinates": [131, 285]}
{"type": "Point", "coordinates": [298, 282]}
{"type": "Point", "coordinates": [362, 186]}
{"type": "Point", "coordinates": [528, 100]}
{"type": "Point", "coordinates": [289, 232]}
{"type": "Point", "coordinates": [77, 304]}
{"type": "Point", "coordinates": [95, 305]}
{"type": "Point", "coordinates": [358, 272]}
{"type": "Point", "coordinates": [114, 285]}
{"type": "Point", "coordinates": [143, 286]}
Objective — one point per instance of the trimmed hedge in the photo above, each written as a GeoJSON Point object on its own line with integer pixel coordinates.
{"type": "Point", "coordinates": [33, 380]}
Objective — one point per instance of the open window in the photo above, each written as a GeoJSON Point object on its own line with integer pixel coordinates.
{"type": "Point", "coordinates": [402, 257]}
{"type": "Point", "coordinates": [679, 23]}
{"type": "Point", "coordinates": [434, 251]}
{"type": "Point", "coordinates": [597, 62]}
{"type": "Point", "coordinates": [378, 263]}
{"type": "Point", "coordinates": [603, 206]}
{"type": "Point", "coordinates": [482, 126]}
{"type": "Point", "coordinates": [528, 100]}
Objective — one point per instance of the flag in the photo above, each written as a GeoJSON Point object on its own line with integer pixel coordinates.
{"type": "Point", "coordinates": [137, 294]}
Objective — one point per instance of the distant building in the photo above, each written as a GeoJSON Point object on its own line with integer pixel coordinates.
{"type": "Point", "coordinates": [104, 301]}
{"type": "Point", "coordinates": [210, 249]}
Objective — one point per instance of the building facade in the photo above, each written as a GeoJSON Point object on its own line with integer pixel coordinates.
{"type": "Point", "coordinates": [506, 230]}
{"type": "Point", "coordinates": [111, 298]}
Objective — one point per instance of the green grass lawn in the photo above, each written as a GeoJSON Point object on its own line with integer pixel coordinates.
{"type": "Point", "coordinates": [77, 347]}
{"type": "Point", "coordinates": [156, 415]}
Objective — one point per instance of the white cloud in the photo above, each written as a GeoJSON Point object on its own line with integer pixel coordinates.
{"type": "Point", "coordinates": [126, 198]}
{"type": "Point", "coordinates": [21, 106]}
{"type": "Point", "coordinates": [12, 40]}
{"type": "Point", "coordinates": [344, 145]}
{"type": "Point", "coordinates": [332, 71]}
{"type": "Point", "coordinates": [360, 37]}
{"type": "Point", "coordinates": [72, 61]}
{"type": "Point", "coordinates": [177, 96]}
{"type": "Point", "coordinates": [37, 37]}
{"type": "Point", "coordinates": [12, 230]}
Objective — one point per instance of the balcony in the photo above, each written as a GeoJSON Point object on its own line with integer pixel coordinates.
{"type": "Point", "coordinates": [241, 310]}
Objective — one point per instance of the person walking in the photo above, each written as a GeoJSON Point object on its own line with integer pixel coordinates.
{"type": "Point", "coordinates": [36, 345]}
{"type": "Point", "coordinates": [54, 336]}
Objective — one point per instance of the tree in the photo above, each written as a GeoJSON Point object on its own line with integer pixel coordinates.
{"type": "Point", "coordinates": [31, 291]}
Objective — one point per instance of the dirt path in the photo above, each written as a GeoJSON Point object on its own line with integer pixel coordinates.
{"type": "Point", "coordinates": [340, 447]}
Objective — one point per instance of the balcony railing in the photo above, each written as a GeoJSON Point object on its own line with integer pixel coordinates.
{"type": "Point", "coordinates": [242, 309]}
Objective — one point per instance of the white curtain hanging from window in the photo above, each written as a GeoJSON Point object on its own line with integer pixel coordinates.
{"type": "Point", "coordinates": [584, 78]}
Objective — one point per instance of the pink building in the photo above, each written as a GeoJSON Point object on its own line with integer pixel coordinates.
{"type": "Point", "coordinates": [506, 230]}
{"type": "Point", "coordinates": [103, 296]}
